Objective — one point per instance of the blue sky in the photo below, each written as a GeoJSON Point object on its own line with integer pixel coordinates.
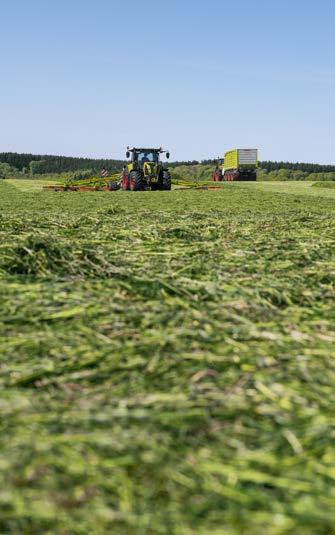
{"type": "Point", "coordinates": [90, 77]}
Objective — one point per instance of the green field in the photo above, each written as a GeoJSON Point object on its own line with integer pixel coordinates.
{"type": "Point", "coordinates": [167, 361]}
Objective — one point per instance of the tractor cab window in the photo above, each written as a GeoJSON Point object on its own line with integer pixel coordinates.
{"type": "Point", "coordinates": [143, 157]}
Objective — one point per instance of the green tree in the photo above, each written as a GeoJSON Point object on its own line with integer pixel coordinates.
{"type": "Point", "coordinates": [6, 170]}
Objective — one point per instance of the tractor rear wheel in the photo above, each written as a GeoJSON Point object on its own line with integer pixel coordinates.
{"type": "Point", "coordinates": [136, 181]}
{"type": "Point", "coordinates": [166, 182]}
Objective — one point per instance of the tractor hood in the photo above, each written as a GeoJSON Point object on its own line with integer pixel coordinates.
{"type": "Point", "coordinates": [149, 168]}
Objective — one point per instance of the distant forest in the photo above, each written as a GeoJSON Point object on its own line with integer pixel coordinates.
{"type": "Point", "coordinates": [274, 166]}
{"type": "Point", "coordinates": [45, 164]}
{"type": "Point", "coordinates": [306, 167]}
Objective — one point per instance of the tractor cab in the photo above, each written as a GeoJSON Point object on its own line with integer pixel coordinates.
{"type": "Point", "coordinates": [145, 156]}
{"type": "Point", "coordinates": [141, 156]}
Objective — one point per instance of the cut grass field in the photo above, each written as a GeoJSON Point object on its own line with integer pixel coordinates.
{"type": "Point", "coordinates": [167, 361]}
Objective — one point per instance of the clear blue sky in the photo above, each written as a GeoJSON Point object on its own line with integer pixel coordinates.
{"type": "Point", "coordinates": [87, 78]}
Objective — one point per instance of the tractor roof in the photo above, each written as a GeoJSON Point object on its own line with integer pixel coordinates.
{"type": "Point", "coordinates": [142, 149]}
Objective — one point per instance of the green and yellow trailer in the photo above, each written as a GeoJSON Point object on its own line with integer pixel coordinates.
{"type": "Point", "coordinates": [238, 164]}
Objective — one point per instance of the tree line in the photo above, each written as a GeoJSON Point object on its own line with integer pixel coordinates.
{"type": "Point", "coordinates": [46, 164]}
{"type": "Point", "coordinates": [305, 167]}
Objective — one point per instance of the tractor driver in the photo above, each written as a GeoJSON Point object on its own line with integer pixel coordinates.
{"type": "Point", "coordinates": [145, 158]}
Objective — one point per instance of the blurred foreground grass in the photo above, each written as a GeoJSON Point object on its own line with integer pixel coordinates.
{"type": "Point", "coordinates": [167, 361]}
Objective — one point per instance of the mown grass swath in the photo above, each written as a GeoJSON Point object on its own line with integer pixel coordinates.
{"type": "Point", "coordinates": [167, 362]}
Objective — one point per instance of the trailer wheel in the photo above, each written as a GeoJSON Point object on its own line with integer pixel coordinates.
{"type": "Point", "coordinates": [229, 176]}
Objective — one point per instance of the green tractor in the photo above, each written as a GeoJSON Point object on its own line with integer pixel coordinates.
{"type": "Point", "coordinates": [145, 171]}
